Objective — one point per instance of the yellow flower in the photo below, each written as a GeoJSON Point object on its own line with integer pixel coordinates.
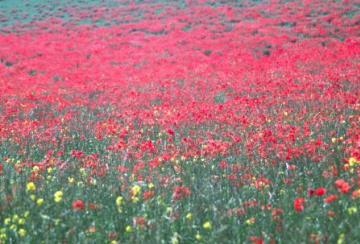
{"type": "Point", "coordinates": [352, 210]}
{"type": "Point", "coordinates": [135, 190]}
{"type": "Point", "coordinates": [207, 225]}
{"type": "Point", "coordinates": [50, 170]}
{"type": "Point", "coordinates": [21, 221]}
{"type": "Point", "coordinates": [250, 221]}
{"type": "Point", "coordinates": [71, 180]}
{"type": "Point", "coordinates": [333, 140]}
{"type": "Point", "coordinates": [341, 239]}
{"type": "Point", "coordinates": [7, 221]}
{"type": "Point", "coordinates": [119, 201]}
{"type": "Point", "coordinates": [58, 196]}
{"type": "Point", "coordinates": [40, 201]}
{"type": "Point", "coordinates": [32, 197]}
{"type": "Point", "coordinates": [198, 236]}
{"type": "Point", "coordinates": [30, 186]}
{"type": "Point", "coordinates": [134, 199]}
{"type": "Point", "coordinates": [3, 236]}
{"type": "Point", "coordinates": [15, 218]}
{"type": "Point", "coordinates": [22, 232]}
{"type": "Point", "coordinates": [353, 162]}
{"type": "Point", "coordinates": [26, 214]}
{"type": "Point", "coordinates": [189, 216]}
{"type": "Point", "coordinates": [151, 186]}
{"type": "Point", "coordinates": [128, 229]}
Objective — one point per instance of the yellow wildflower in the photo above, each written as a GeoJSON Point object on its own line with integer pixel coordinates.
{"type": "Point", "coordinates": [189, 216]}
{"type": "Point", "coordinates": [3, 236]}
{"type": "Point", "coordinates": [352, 210]}
{"type": "Point", "coordinates": [135, 190]}
{"type": "Point", "coordinates": [134, 199]}
{"type": "Point", "coordinates": [207, 225]}
{"type": "Point", "coordinates": [7, 221]}
{"type": "Point", "coordinates": [40, 201]}
{"type": "Point", "coordinates": [15, 218]}
{"type": "Point", "coordinates": [128, 229]}
{"type": "Point", "coordinates": [119, 201]}
{"type": "Point", "coordinates": [151, 186]}
{"type": "Point", "coordinates": [21, 221]}
{"type": "Point", "coordinates": [198, 236]}
{"type": "Point", "coordinates": [250, 221]}
{"type": "Point", "coordinates": [341, 239]}
{"type": "Point", "coordinates": [30, 186]}
{"type": "Point", "coordinates": [353, 162]}
{"type": "Point", "coordinates": [58, 196]}
{"type": "Point", "coordinates": [22, 232]}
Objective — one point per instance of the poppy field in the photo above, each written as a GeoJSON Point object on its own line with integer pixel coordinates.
{"type": "Point", "coordinates": [188, 121]}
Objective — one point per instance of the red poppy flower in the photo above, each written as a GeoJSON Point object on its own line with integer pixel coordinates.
{"type": "Point", "coordinates": [78, 204]}
{"type": "Point", "coordinates": [148, 195]}
{"type": "Point", "coordinates": [330, 198]}
{"type": "Point", "coordinates": [299, 204]}
{"type": "Point", "coordinates": [342, 186]}
{"type": "Point", "coordinates": [318, 191]}
{"type": "Point", "coordinates": [180, 192]}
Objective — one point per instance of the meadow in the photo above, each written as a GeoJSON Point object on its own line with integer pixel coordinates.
{"type": "Point", "coordinates": [180, 122]}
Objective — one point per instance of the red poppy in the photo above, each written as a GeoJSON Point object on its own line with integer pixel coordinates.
{"type": "Point", "coordinates": [342, 186]}
{"type": "Point", "coordinates": [256, 240]}
{"type": "Point", "coordinates": [180, 192]}
{"type": "Point", "coordinates": [330, 198]}
{"type": "Point", "coordinates": [299, 204]}
{"type": "Point", "coordinates": [148, 195]}
{"type": "Point", "coordinates": [78, 204]}
{"type": "Point", "coordinates": [320, 191]}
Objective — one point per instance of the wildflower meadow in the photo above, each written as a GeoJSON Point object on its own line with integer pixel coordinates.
{"type": "Point", "coordinates": [188, 121]}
